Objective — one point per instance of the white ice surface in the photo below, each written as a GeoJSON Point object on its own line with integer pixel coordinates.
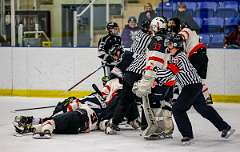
{"type": "Point", "coordinates": [207, 138]}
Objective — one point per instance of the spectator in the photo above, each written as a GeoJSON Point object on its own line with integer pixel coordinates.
{"type": "Point", "coordinates": [232, 40]}
{"type": "Point", "coordinates": [186, 17]}
{"type": "Point", "coordinates": [2, 41]}
{"type": "Point", "coordinates": [148, 14]}
{"type": "Point", "coordinates": [129, 32]}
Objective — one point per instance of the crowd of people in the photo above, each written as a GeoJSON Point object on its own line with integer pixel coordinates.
{"type": "Point", "coordinates": [163, 73]}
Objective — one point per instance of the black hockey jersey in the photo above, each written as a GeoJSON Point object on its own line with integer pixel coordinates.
{"type": "Point", "coordinates": [95, 102]}
{"type": "Point", "coordinates": [157, 43]}
{"type": "Point", "coordinates": [106, 43]}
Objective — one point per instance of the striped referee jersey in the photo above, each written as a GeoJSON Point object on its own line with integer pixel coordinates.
{"type": "Point", "coordinates": [180, 69]}
{"type": "Point", "coordinates": [139, 48]}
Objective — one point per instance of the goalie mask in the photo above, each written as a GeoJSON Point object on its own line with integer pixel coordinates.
{"type": "Point", "coordinates": [158, 25]}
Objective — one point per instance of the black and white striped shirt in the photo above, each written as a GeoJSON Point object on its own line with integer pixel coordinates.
{"type": "Point", "coordinates": [139, 48]}
{"type": "Point", "coordinates": [180, 69]}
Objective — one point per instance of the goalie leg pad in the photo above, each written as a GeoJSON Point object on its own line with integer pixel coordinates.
{"type": "Point", "coordinates": [160, 124]}
{"type": "Point", "coordinates": [150, 118]}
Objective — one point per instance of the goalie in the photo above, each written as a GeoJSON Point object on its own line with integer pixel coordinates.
{"type": "Point", "coordinates": [157, 99]}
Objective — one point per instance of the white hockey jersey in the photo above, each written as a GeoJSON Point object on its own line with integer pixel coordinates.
{"type": "Point", "coordinates": [191, 39]}
{"type": "Point", "coordinates": [110, 90]}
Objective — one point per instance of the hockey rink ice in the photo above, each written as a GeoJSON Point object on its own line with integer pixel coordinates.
{"type": "Point", "coordinates": [207, 138]}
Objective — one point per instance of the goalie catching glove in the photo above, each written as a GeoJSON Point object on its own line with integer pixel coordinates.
{"type": "Point", "coordinates": [143, 87]}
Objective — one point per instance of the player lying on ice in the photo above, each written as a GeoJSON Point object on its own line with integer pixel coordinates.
{"type": "Point", "coordinates": [179, 68]}
{"type": "Point", "coordinates": [79, 115]}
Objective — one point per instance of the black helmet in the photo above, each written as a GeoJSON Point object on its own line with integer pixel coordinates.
{"type": "Point", "coordinates": [116, 50]}
{"type": "Point", "coordinates": [175, 28]}
{"type": "Point", "coordinates": [111, 25]}
{"type": "Point", "coordinates": [176, 39]}
{"type": "Point", "coordinates": [145, 25]}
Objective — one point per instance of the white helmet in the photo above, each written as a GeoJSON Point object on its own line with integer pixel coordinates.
{"type": "Point", "coordinates": [157, 24]}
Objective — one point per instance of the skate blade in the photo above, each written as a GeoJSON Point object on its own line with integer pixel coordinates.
{"type": "Point", "coordinates": [230, 133]}
{"type": "Point", "coordinates": [186, 143]}
{"type": "Point", "coordinates": [38, 136]}
{"type": "Point", "coordinates": [152, 138]}
{"type": "Point", "coordinates": [17, 135]}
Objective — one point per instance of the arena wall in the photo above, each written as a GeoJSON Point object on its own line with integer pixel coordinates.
{"type": "Point", "coordinates": [49, 72]}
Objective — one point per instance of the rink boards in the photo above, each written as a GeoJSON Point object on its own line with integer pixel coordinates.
{"type": "Point", "coordinates": [48, 72]}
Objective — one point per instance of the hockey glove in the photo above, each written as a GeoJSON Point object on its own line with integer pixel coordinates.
{"type": "Point", "coordinates": [62, 106]}
{"type": "Point", "coordinates": [142, 87]}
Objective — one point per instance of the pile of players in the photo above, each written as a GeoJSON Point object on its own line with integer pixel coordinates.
{"type": "Point", "coordinates": [164, 71]}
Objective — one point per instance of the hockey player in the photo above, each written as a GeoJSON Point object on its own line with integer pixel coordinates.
{"type": "Point", "coordinates": [78, 118]}
{"type": "Point", "coordinates": [157, 106]}
{"type": "Point", "coordinates": [106, 43]}
{"type": "Point", "coordinates": [196, 51]}
{"type": "Point", "coordinates": [191, 94]}
{"type": "Point", "coordinates": [136, 63]}
{"type": "Point", "coordinates": [80, 115]}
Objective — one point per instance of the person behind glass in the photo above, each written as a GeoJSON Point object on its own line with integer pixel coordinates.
{"type": "Point", "coordinates": [106, 43]}
{"type": "Point", "coordinates": [3, 42]}
{"type": "Point", "coordinates": [232, 40]}
{"type": "Point", "coordinates": [147, 14]}
{"type": "Point", "coordinates": [129, 32]}
{"type": "Point", "coordinates": [191, 94]}
{"type": "Point", "coordinates": [186, 17]}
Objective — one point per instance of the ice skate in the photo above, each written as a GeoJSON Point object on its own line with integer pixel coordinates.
{"type": "Point", "coordinates": [135, 124]}
{"type": "Point", "coordinates": [43, 135]}
{"type": "Point", "coordinates": [23, 124]}
{"type": "Point", "coordinates": [186, 140]}
{"type": "Point", "coordinates": [209, 99]}
{"type": "Point", "coordinates": [44, 131]}
{"type": "Point", "coordinates": [111, 128]}
{"type": "Point", "coordinates": [226, 133]}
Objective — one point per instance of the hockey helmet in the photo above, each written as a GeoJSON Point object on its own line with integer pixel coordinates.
{"type": "Point", "coordinates": [158, 24]}
{"type": "Point", "coordinates": [176, 39]}
{"type": "Point", "coordinates": [145, 25]}
{"type": "Point", "coordinates": [116, 51]}
{"type": "Point", "coordinates": [111, 27]}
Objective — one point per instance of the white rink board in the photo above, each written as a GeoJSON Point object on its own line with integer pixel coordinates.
{"type": "Point", "coordinates": [59, 68]}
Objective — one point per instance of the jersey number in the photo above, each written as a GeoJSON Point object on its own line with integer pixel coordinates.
{"type": "Point", "coordinates": [93, 118]}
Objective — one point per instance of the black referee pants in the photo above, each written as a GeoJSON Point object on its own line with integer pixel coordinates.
{"type": "Point", "coordinates": [126, 103]}
{"type": "Point", "coordinates": [191, 95]}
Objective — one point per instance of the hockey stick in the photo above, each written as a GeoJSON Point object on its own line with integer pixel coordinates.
{"type": "Point", "coordinates": [84, 79]}
{"type": "Point", "coordinates": [26, 109]}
